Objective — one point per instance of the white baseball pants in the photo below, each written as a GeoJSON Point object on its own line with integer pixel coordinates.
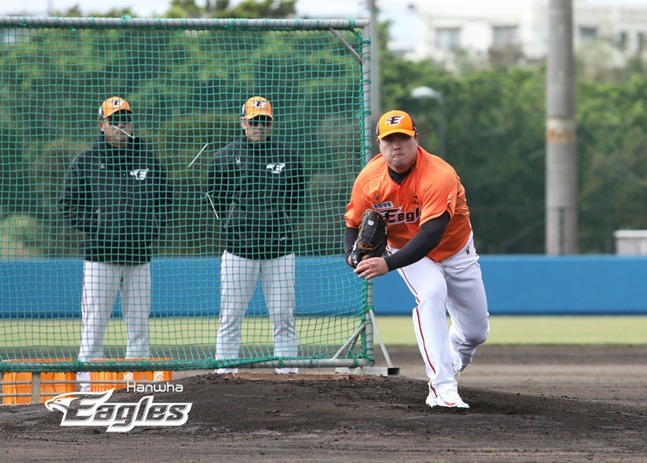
{"type": "Point", "coordinates": [238, 279]}
{"type": "Point", "coordinates": [454, 285]}
{"type": "Point", "coordinates": [102, 283]}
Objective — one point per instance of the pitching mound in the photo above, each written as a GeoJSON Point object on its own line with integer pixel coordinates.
{"type": "Point", "coordinates": [342, 418]}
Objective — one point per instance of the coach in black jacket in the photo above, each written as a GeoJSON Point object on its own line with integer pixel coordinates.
{"type": "Point", "coordinates": [256, 187]}
{"type": "Point", "coordinates": [118, 195]}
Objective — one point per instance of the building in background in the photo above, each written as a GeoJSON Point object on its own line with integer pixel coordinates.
{"type": "Point", "coordinates": [518, 31]}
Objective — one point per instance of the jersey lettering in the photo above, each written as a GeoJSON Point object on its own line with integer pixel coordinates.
{"type": "Point", "coordinates": [384, 205]}
{"type": "Point", "coordinates": [276, 168]}
{"type": "Point", "coordinates": [396, 216]}
{"type": "Point", "coordinates": [139, 174]}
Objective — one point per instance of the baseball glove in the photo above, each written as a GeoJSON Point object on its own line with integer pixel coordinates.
{"type": "Point", "coordinates": [371, 237]}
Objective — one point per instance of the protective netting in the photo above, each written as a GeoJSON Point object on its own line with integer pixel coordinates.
{"type": "Point", "coordinates": [91, 217]}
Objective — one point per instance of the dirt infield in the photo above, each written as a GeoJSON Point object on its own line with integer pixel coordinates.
{"type": "Point", "coordinates": [528, 404]}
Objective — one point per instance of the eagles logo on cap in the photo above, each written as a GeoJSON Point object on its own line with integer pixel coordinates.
{"type": "Point", "coordinates": [113, 105]}
{"type": "Point", "coordinates": [257, 106]}
{"type": "Point", "coordinates": [395, 121]}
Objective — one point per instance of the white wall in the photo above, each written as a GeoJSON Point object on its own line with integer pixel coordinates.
{"type": "Point", "coordinates": [476, 20]}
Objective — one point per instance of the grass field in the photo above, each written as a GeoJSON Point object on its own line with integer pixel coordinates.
{"type": "Point", "coordinates": [395, 330]}
{"type": "Point", "coordinates": [538, 330]}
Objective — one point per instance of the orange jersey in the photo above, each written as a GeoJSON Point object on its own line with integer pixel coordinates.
{"type": "Point", "coordinates": [431, 189]}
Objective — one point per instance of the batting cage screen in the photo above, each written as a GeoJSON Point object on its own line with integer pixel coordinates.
{"type": "Point", "coordinates": [173, 194]}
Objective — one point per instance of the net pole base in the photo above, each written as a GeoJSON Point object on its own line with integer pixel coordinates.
{"type": "Point", "coordinates": [370, 371]}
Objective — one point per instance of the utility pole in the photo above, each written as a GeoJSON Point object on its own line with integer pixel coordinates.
{"type": "Point", "coordinates": [561, 155]}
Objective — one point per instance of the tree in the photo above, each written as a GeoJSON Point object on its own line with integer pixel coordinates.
{"type": "Point", "coordinates": [188, 92]}
{"type": "Point", "coordinates": [251, 9]}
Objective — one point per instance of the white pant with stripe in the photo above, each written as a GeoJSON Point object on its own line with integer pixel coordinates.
{"type": "Point", "coordinates": [454, 285]}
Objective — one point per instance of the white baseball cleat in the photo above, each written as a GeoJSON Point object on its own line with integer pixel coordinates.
{"type": "Point", "coordinates": [226, 371]}
{"type": "Point", "coordinates": [448, 398]}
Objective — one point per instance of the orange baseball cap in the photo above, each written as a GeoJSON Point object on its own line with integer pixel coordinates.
{"type": "Point", "coordinates": [257, 106]}
{"type": "Point", "coordinates": [395, 121]}
{"type": "Point", "coordinates": [112, 105]}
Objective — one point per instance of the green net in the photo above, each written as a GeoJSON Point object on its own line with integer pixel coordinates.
{"type": "Point", "coordinates": [185, 233]}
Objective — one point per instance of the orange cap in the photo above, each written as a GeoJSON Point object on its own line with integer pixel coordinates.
{"type": "Point", "coordinates": [112, 105]}
{"type": "Point", "coordinates": [257, 106]}
{"type": "Point", "coordinates": [395, 121]}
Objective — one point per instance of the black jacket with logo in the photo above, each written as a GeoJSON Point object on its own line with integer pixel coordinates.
{"type": "Point", "coordinates": [120, 199]}
{"type": "Point", "coordinates": [257, 190]}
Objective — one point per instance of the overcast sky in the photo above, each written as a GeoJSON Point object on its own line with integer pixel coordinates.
{"type": "Point", "coordinates": [332, 8]}
{"type": "Point", "coordinates": [321, 8]}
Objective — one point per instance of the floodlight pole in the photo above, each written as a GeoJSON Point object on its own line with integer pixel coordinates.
{"type": "Point", "coordinates": [419, 93]}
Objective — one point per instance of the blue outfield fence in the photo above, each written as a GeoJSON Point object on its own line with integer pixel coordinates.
{"type": "Point", "coordinates": [181, 287]}
{"type": "Point", "coordinates": [543, 285]}
{"type": "Point", "coordinates": [515, 285]}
